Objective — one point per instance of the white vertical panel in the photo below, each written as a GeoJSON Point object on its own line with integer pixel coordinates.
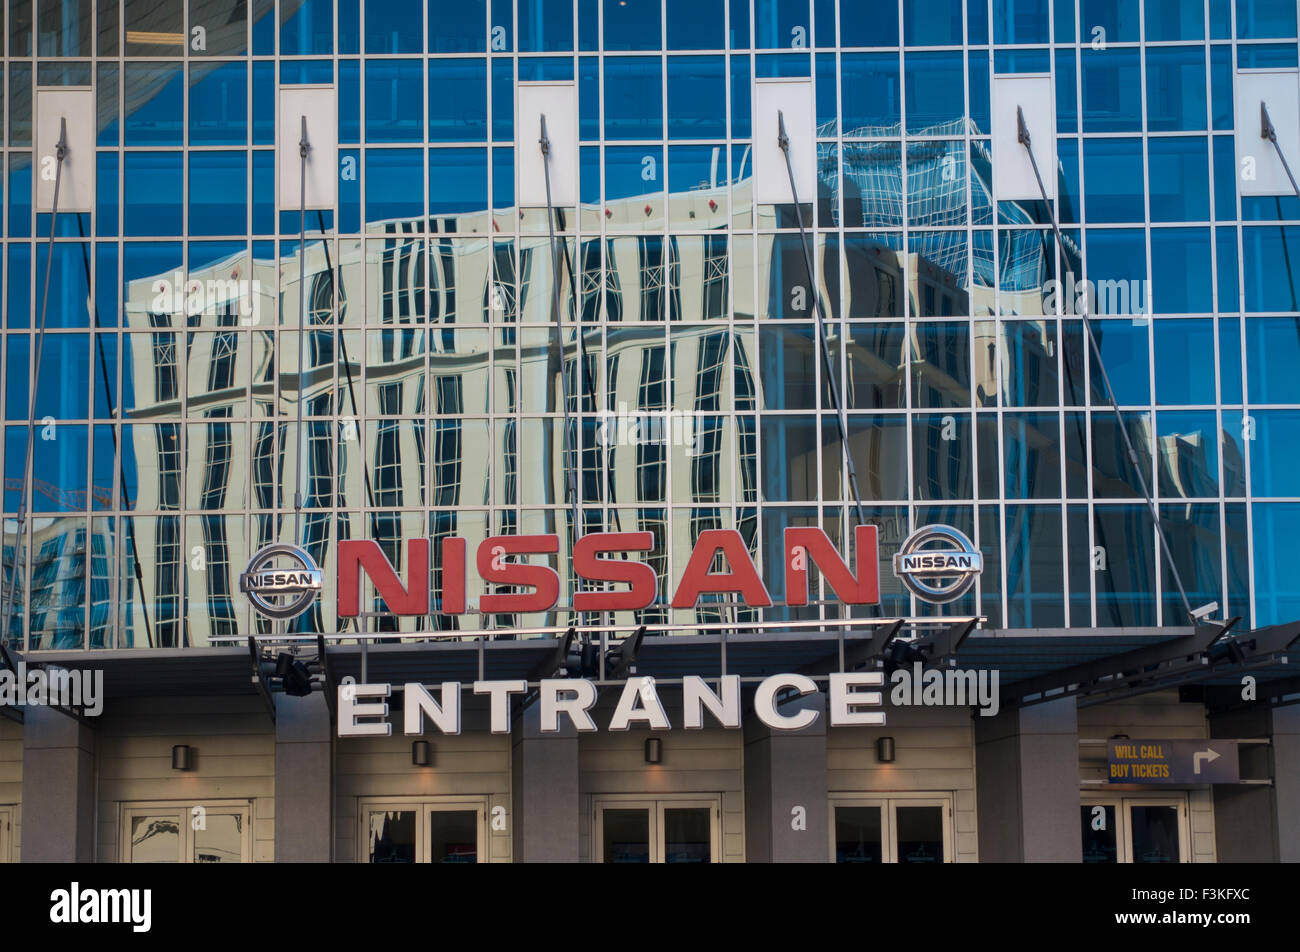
{"type": "Point", "coordinates": [77, 181]}
{"type": "Point", "coordinates": [319, 105]}
{"type": "Point", "coordinates": [1259, 170]}
{"type": "Point", "coordinates": [558, 102]}
{"type": "Point", "coordinates": [1013, 174]}
{"type": "Point", "coordinates": [792, 99]}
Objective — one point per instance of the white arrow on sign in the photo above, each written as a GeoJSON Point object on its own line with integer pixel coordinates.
{"type": "Point", "coordinates": [1206, 756]}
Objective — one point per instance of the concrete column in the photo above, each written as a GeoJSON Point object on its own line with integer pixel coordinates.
{"type": "Point", "coordinates": [304, 786]}
{"type": "Point", "coordinates": [1027, 784]}
{"type": "Point", "coordinates": [58, 788]}
{"type": "Point", "coordinates": [1256, 823]}
{"type": "Point", "coordinates": [544, 791]}
{"type": "Point", "coordinates": [787, 810]}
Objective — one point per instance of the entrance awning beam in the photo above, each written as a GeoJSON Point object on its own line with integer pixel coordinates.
{"type": "Point", "coordinates": [1077, 679]}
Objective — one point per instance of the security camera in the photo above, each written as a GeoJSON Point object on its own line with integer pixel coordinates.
{"type": "Point", "coordinates": [1205, 611]}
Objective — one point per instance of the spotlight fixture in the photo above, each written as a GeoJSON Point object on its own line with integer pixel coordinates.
{"type": "Point", "coordinates": [293, 675]}
{"type": "Point", "coordinates": [885, 750]}
{"type": "Point", "coordinates": [183, 757]}
{"type": "Point", "coordinates": [654, 750]}
{"type": "Point", "coordinates": [421, 754]}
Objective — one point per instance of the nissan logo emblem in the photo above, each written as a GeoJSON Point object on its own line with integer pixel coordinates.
{"type": "Point", "coordinates": [282, 581]}
{"type": "Point", "coordinates": [938, 564]}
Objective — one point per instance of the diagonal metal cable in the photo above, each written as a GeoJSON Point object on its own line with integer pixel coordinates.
{"type": "Point", "coordinates": [121, 463]}
{"type": "Point", "coordinates": [841, 418]}
{"type": "Point", "coordinates": [570, 471]}
{"type": "Point", "coordinates": [303, 148]}
{"type": "Point", "coordinates": [60, 153]}
{"type": "Point", "coordinates": [1022, 136]}
{"type": "Point", "coordinates": [341, 336]}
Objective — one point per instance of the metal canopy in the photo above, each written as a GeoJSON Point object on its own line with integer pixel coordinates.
{"type": "Point", "coordinates": [1033, 664]}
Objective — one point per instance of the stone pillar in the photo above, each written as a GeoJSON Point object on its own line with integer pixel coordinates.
{"type": "Point", "coordinates": [787, 809]}
{"type": "Point", "coordinates": [1256, 823]}
{"type": "Point", "coordinates": [58, 788]}
{"type": "Point", "coordinates": [304, 780]}
{"type": "Point", "coordinates": [1027, 784]}
{"type": "Point", "coordinates": [544, 790]}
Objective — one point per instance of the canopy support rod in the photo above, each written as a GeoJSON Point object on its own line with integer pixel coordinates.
{"type": "Point", "coordinates": [832, 378]}
{"type": "Point", "coordinates": [303, 148]}
{"type": "Point", "coordinates": [60, 153]}
{"type": "Point", "coordinates": [570, 470]}
{"type": "Point", "coordinates": [1022, 136]}
{"type": "Point", "coordinates": [1266, 131]}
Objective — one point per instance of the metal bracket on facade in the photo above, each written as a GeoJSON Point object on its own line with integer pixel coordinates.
{"type": "Point", "coordinates": [556, 660]}
{"type": "Point", "coordinates": [946, 644]}
{"type": "Point", "coordinates": [259, 677]}
{"type": "Point", "coordinates": [622, 659]}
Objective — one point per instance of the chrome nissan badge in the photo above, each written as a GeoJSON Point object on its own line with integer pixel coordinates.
{"type": "Point", "coordinates": [282, 581]}
{"type": "Point", "coordinates": [938, 564]}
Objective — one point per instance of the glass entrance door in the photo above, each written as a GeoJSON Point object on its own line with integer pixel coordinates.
{"type": "Point", "coordinates": [424, 830]}
{"type": "Point", "coordinates": [892, 829]}
{"type": "Point", "coordinates": [6, 834]}
{"type": "Point", "coordinates": [656, 831]}
{"type": "Point", "coordinates": [184, 833]}
{"type": "Point", "coordinates": [1134, 830]}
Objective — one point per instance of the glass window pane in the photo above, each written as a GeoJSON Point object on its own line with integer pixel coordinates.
{"type": "Point", "coordinates": [626, 836]}
{"type": "Point", "coordinates": [1034, 567]}
{"type": "Point", "coordinates": [687, 835]}
{"type": "Point", "coordinates": [1113, 180]}
{"type": "Point", "coordinates": [631, 26]}
{"type": "Point", "coordinates": [453, 836]}
{"type": "Point", "coordinates": [934, 22]}
{"type": "Point", "coordinates": [1099, 842]}
{"type": "Point", "coordinates": [696, 24]}
{"type": "Point", "coordinates": [697, 97]}
{"type": "Point", "coordinates": [920, 834]}
{"type": "Point", "coordinates": [1112, 90]}
{"type": "Point", "coordinates": [1181, 271]}
{"type": "Point", "coordinates": [1180, 175]}
{"type": "Point", "coordinates": [871, 89]}
{"type": "Point", "coordinates": [392, 836]}
{"type": "Point", "coordinates": [221, 841]}
{"type": "Point", "coordinates": [388, 26]}
{"type": "Point", "coordinates": [1154, 831]}
{"type": "Point", "coordinates": [1175, 87]}
{"type": "Point", "coordinates": [156, 839]}
{"type": "Point", "coordinates": [857, 835]}
{"type": "Point", "coordinates": [633, 98]}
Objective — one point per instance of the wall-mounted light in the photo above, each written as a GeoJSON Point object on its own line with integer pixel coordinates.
{"type": "Point", "coordinates": [885, 750]}
{"type": "Point", "coordinates": [183, 757]}
{"type": "Point", "coordinates": [421, 754]}
{"type": "Point", "coordinates": [654, 750]}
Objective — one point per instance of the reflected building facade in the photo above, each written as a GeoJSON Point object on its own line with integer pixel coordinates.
{"type": "Point", "coordinates": [659, 369]}
{"type": "Point", "coordinates": [436, 379]}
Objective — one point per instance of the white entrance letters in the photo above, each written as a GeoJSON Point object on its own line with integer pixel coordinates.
{"type": "Point", "coordinates": [363, 708]}
{"type": "Point", "coordinates": [419, 702]}
{"type": "Point", "coordinates": [579, 698]}
{"type": "Point", "coordinates": [500, 692]}
{"type": "Point", "coordinates": [697, 695]}
{"type": "Point", "coordinates": [765, 702]}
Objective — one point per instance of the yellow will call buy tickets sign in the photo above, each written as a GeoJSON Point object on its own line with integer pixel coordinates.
{"type": "Point", "coordinates": [1172, 761]}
